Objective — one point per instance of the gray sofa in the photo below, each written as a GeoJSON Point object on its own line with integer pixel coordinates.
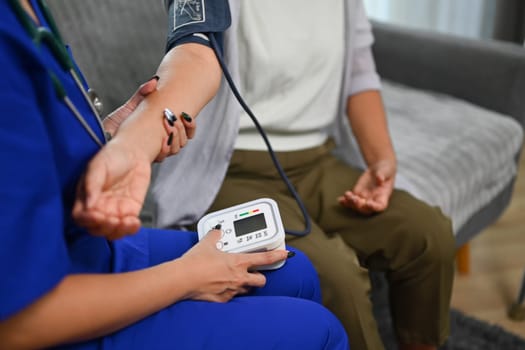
{"type": "Point", "coordinates": [456, 106]}
{"type": "Point", "coordinates": [487, 74]}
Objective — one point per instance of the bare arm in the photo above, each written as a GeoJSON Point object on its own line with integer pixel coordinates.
{"type": "Point", "coordinates": [374, 187]}
{"type": "Point", "coordinates": [88, 306]}
{"type": "Point", "coordinates": [111, 194]}
{"type": "Point", "coordinates": [368, 120]}
{"type": "Point", "coordinates": [189, 78]}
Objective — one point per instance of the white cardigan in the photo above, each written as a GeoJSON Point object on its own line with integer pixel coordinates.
{"type": "Point", "coordinates": [185, 185]}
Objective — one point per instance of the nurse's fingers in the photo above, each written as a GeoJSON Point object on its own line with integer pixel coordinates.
{"type": "Point", "coordinates": [253, 260]}
{"type": "Point", "coordinates": [86, 197]}
{"type": "Point", "coordinates": [178, 132]}
{"type": "Point", "coordinates": [254, 279]}
{"type": "Point", "coordinates": [80, 197]}
{"type": "Point", "coordinates": [110, 227]}
{"type": "Point", "coordinates": [179, 137]}
{"type": "Point", "coordinates": [189, 125]}
{"type": "Point", "coordinates": [126, 226]}
{"type": "Point", "coordinates": [171, 141]}
{"type": "Point", "coordinates": [114, 119]}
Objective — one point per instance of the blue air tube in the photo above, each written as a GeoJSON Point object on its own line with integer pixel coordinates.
{"type": "Point", "coordinates": [307, 223]}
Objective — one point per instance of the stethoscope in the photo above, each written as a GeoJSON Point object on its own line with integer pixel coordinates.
{"type": "Point", "coordinates": [307, 222]}
{"type": "Point", "coordinates": [52, 37]}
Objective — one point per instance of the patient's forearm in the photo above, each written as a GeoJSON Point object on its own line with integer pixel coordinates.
{"type": "Point", "coordinates": [190, 76]}
{"type": "Point", "coordinates": [368, 119]}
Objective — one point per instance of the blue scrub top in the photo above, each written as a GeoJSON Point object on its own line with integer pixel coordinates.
{"type": "Point", "coordinates": [43, 151]}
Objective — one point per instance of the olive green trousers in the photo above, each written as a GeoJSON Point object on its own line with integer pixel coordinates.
{"type": "Point", "coordinates": [411, 241]}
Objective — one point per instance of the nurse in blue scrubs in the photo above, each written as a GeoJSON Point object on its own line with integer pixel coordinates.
{"type": "Point", "coordinates": [62, 287]}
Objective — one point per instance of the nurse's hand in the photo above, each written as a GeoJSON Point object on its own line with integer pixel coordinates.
{"type": "Point", "coordinates": [213, 275]}
{"type": "Point", "coordinates": [178, 130]}
{"type": "Point", "coordinates": [111, 192]}
{"type": "Point", "coordinates": [112, 121]}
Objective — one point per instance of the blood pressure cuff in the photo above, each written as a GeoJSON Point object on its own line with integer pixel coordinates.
{"type": "Point", "coordinates": [196, 20]}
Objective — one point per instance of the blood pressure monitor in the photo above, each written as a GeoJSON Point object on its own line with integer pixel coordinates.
{"type": "Point", "coordinates": [249, 227]}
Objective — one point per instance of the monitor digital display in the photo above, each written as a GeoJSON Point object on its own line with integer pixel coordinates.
{"type": "Point", "coordinates": [249, 224]}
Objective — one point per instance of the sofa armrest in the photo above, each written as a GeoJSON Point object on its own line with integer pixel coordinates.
{"type": "Point", "coordinates": [487, 73]}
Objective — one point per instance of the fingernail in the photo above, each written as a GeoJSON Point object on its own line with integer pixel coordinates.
{"type": "Point", "coordinates": [290, 254]}
{"type": "Point", "coordinates": [217, 227]}
{"type": "Point", "coordinates": [170, 139]}
{"type": "Point", "coordinates": [170, 117]}
{"type": "Point", "coordinates": [186, 117]}
{"type": "Point", "coordinates": [156, 77]}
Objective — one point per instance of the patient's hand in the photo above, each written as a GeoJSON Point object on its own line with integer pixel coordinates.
{"type": "Point", "coordinates": [111, 193]}
{"type": "Point", "coordinates": [373, 189]}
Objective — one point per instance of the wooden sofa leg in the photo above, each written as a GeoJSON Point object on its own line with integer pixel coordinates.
{"type": "Point", "coordinates": [463, 259]}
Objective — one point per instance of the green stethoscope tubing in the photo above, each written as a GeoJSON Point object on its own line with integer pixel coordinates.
{"type": "Point", "coordinates": [53, 39]}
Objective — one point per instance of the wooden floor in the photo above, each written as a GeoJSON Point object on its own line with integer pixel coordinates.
{"type": "Point", "coordinates": [497, 266]}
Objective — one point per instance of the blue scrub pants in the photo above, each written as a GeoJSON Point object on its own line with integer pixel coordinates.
{"type": "Point", "coordinates": [285, 314]}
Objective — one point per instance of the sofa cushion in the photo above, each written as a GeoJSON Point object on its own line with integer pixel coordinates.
{"type": "Point", "coordinates": [451, 153]}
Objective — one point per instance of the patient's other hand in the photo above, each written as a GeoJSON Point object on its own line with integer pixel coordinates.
{"type": "Point", "coordinates": [111, 193]}
{"type": "Point", "coordinates": [373, 189]}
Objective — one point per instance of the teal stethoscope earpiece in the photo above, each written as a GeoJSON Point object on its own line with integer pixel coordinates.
{"type": "Point", "coordinates": [51, 37]}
